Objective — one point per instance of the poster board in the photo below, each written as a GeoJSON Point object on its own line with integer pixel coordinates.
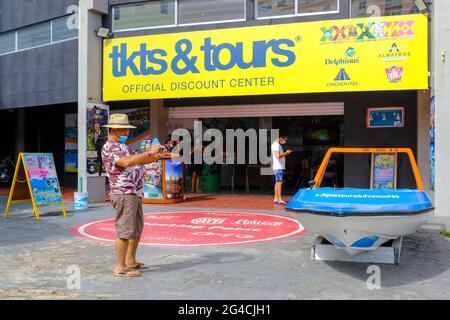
{"type": "Point", "coordinates": [138, 117]}
{"type": "Point", "coordinates": [390, 117]}
{"type": "Point", "coordinates": [174, 179]}
{"type": "Point", "coordinates": [71, 143]}
{"type": "Point", "coordinates": [97, 116]}
{"type": "Point", "coordinates": [35, 180]}
{"type": "Point", "coordinates": [153, 183]}
{"type": "Point", "coordinates": [383, 173]}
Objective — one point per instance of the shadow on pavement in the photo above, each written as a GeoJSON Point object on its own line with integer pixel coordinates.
{"type": "Point", "coordinates": [199, 198]}
{"type": "Point", "coordinates": [217, 258]}
{"type": "Point", "coordinates": [424, 255]}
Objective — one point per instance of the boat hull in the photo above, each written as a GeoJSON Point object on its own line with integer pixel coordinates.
{"type": "Point", "coordinates": [357, 234]}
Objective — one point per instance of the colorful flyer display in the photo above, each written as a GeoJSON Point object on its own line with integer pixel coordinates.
{"type": "Point", "coordinates": [97, 116]}
{"type": "Point", "coordinates": [432, 143]}
{"type": "Point", "coordinates": [384, 171]}
{"type": "Point", "coordinates": [35, 180]}
{"type": "Point", "coordinates": [43, 179]}
{"type": "Point", "coordinates": [174, 179]}
{"type": "Point", "coordinates": [153, 182]}
{"type": "Point", "coordinates": [139, 117]}
{"type": "Point", "coordinates": [71, 143]}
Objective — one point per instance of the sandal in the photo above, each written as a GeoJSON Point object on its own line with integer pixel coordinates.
{"type": "Point", "coordinates": [139, 266]}
{"type": "Point", "coordinates": [127, 273]}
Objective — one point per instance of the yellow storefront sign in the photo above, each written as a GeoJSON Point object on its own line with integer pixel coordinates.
{"type": "Point", "coordinates": [381, 53]}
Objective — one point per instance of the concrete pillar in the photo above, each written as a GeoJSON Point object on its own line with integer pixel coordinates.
{"type": "Point", "coordinates": [441, 85]}
{"type": "Point", "coordinates": [90, 49]}
{"type": "Point", "coordinates": [159, 120]}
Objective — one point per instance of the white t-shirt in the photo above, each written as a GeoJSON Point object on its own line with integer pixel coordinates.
{"type": "Point", "coordinates": [277, 164]}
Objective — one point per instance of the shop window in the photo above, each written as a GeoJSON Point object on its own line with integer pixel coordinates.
{"type": "Point", "coordinates": [144, 15]}
{"type": "Point", "coordinates": [274, 8]}
{"type": "Point", "coordinates": [316, 6]}
{"type": "Point", "coordinates": [205, 11]}
{"type": "Point", "coordinates": [362, 5]}
{"type": "Point", "coordinates": [34, 36]}
{"type": "Point", "coordinates": [63, 30]}
{"type": "Point", "coordinates": [370, 8]}
{"type": "Point", "coordinates": [7, 42]}
{"type": "Point", "coordinates": [283, 8]}
{"type": "Point", "coordinates": [45, 33]}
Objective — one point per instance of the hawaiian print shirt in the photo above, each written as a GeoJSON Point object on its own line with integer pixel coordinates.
{"type": "Point", "coordinates": [122, 180]}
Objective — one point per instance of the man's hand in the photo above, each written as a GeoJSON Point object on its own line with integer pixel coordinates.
{"type": "Point", "coordinates": [283, 154]}
{"type": "Point", "coordinates": [156, 148]}
{"type": "Point", "coordinates": [142, 158]}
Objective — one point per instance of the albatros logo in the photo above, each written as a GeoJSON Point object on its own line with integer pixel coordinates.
{"type": "Point", "coordinates": [223, 56]}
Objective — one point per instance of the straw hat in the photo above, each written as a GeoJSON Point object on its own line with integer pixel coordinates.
{"type": "Point", "coordinates": [119, 121]}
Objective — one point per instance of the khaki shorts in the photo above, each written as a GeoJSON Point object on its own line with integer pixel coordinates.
{"type": "Point", "coordinates": [129, 215]}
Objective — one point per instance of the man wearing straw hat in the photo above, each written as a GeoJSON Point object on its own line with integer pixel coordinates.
{"type": "Point", "coordinates": [126, 180]}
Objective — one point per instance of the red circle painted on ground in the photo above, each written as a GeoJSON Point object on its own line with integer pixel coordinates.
{"type": "Point", "coordinates": [199, 228]}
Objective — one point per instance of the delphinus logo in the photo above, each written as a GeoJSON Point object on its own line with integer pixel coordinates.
{"type": "Point", "coordinates": [350, 52]}
{"type": "Point", "coordinates": [154, 61]}
{"type": "Point", "coordinates": [348, 59]}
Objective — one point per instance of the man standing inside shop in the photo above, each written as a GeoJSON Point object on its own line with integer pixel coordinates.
{"type": "Point", "coordinates": [279, 165]}
{"type": "Point", "coordinates": [126, 179]}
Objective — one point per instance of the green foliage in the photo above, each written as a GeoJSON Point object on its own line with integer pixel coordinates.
{"type": "Point", "coordinates": [446, 234]}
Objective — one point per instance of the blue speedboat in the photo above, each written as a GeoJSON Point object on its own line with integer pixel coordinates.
{"type": "Point", "coordinates": [358, 220]}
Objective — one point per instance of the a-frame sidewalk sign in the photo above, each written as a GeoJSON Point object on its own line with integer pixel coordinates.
{"type": "Point", "coordinates": [35, 180]}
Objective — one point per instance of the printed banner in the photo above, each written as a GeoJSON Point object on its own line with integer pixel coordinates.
{"type": "Point", "coordinates": [367, 54]}
{"type": "Point", "coordinates": [153, 176]}
{"type": "Point", "coordinates": [385, 117]}
{"type": "Point", "coordinates": [174, 179]}
{"type": "Point", "coordinates": [71, 143]}
{"type": "Point", "coordinates": [43, 179]}
{"type": "Point", "coordinates": [153, 183]}
{"type": "Point", "coordinates": [97, 116]}
{"type": "Point", "coordinates": [432, 143]}
{"type": "Point", "coordinates": [35, 180]}
{"type": "Point", "coordinates": [384, 171]}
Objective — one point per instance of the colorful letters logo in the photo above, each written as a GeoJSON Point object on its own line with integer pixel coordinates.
{"type": "Point", "coordinates": [394, 74]}
{"type": "Point", "coordinates": [367, 31]}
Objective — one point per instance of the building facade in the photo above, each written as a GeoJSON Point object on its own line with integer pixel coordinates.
{"type": "Point", "coordinates": [49, 69]}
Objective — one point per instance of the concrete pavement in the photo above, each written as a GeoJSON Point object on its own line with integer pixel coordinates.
{"type": "Point", "coordinates": [37, 258]}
